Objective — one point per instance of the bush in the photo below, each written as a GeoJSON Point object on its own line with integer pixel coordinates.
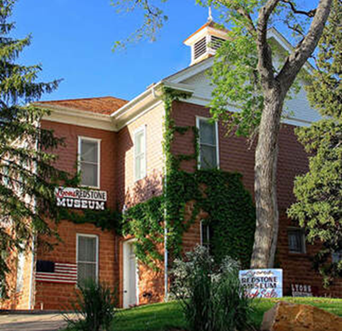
{"type": "Point", "coordinates": [211, 295]}
{"type": "Point", "coordinates": [94, 306]}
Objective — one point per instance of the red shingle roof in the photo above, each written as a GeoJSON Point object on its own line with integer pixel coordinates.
{"type": "Point", "coordinates": [101, 105]}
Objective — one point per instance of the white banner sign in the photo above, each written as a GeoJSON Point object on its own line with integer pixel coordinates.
{"type": "Point", "coordinates": [77, 198]}
{"type": "Point", "coordinates": [262, 283]}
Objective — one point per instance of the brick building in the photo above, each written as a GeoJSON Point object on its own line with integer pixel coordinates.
{"type": "Point", "coordinates": [117, 145]}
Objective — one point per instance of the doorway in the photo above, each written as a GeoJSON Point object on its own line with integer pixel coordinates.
{"type": "Point", "coordinates": [130, 275]}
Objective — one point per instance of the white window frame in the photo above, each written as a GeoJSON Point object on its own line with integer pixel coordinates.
{"type": "Point", "coordinates": [80, 138]}
{"type": "Point", "coordinates": [303, 240]}
{"type": "Point", "coordinates": [201, 232]}
{"type": "Point", "coordinates": [198, 119]}
{"type": "Point", "coordinates": [139, 130]}
{"type": "Point", "coordinates": [78, 235]}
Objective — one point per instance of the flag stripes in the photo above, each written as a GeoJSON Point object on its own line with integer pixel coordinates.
{"type": "Point", "coordinates": [64, 273]}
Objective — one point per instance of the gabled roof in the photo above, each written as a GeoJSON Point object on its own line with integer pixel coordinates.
{"type": "Point", "coordinates": [101, 105]}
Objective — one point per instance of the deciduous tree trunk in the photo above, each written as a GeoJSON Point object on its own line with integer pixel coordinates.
{"type": "Point", "coordinates": [265, 184]}
{"type": "Point", "coordinates": [275, 88]}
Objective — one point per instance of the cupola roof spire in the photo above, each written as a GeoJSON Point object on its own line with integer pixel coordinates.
{"type": "Point", "coordinates": [210, 14]}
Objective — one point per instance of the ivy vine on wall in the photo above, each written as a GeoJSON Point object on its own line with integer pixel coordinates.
{"type": "Point", "coordinates": [230, 209]}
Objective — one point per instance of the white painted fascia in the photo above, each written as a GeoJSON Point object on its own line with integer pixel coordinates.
{"type": "Point", "coordinates": [76, 117]}
{"type": "Point", "coordinates": [145, 102]}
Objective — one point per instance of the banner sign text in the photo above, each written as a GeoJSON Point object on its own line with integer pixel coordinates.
{"type": "Point", "coordinates": [262, 283]}
{"type": "Point", "coordinates": [77, 198]}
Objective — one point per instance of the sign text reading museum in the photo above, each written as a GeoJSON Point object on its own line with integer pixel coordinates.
{"type": "Point", "coordinates": [77, 198]}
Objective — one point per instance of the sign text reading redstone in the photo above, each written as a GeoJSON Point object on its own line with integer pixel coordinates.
{"type": "Point", "coordinates": [77, 198]}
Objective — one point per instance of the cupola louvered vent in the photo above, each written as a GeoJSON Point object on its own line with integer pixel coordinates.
{"type": "Point", "coordinates": [216, 42]}
{"type": "Point", "coordinates": [200, 48]}
{"type": "Point", "coordinates": [206, 41]}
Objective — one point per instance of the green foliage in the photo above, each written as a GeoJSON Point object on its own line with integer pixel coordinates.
{"type": "Point", "coordinates": [169, 315]}
{"type": "Point", "coordinates": [105, 219]}
{"type": "Point", "coordinates": [319, 192]}
{"type": "Point", "coordinates": [145, 222]}
{"type": "Point", "coordinates": [211, 294]}
{"type": "Point", "coordinates": [220, 194]}
{"type": "Point", "coordinates": [27, 175]}
{"type": "Point", "coordinates": [153, 20]}
{"type": "Point", "coordinates": [95, 307]}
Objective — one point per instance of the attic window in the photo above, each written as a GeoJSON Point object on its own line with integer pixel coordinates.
{"type": "Point", "coordinates": [216, 42]}
{"type": "Point", "coordinates": [200, 48]}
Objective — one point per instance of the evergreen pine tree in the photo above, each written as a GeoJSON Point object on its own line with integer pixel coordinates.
{"type": "Point", "coordinates": [27, 175]}
{"type": "Point", "coordinates": [319, 192]}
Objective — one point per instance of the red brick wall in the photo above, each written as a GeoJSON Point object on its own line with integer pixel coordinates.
{"type": "Point", "coordinates": [129, 191]}
{"type": "Point", "coordinates": [57, 296]}
{"type": "Point", "coordinates": [18, 299]}
{"type": "Point", "coordinates": [235, 154]}
{"type": "Point", "coordinates": [54, 295]}
{"type": "Point", "coordinates": [68, 154]}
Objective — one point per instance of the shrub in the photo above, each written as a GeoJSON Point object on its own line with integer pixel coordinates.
{"type": "Point", "coordinates": [211, 295]}
{"type": "Point", "coordinates": [94, 306]}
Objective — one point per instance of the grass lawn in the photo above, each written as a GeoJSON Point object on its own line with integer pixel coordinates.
{"type": "Point", "coordinates": [168, 316]}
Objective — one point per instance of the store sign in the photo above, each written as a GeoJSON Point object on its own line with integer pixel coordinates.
{"type": "Point", "coordinates": [77, 198]}
{"type": "Point", "coordinates": [262, 283]}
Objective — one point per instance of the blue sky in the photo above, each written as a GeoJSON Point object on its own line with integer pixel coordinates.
{"type": "Point", "coordinates": [73, 39]}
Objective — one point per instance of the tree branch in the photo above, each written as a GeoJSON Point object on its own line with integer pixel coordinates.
{"type": "Point", "coordinates": [250, 25]}
{"type": "Point", "coordinates": [305, 48]}
{"type": "Point", "coordinates": [310, 13]}
{"type": "Point", "coordinates": [265, 65]}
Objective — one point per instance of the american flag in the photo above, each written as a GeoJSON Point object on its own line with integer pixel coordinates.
{"type": "Point", "coordinates": [64, 273]}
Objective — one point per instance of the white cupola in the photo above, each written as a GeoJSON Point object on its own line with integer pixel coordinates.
{"type": "Point", "coordinates": [205, 41]}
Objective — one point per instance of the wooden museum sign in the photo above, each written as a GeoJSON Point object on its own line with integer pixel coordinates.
{"type": "Point", "coordinates": [78, 198]}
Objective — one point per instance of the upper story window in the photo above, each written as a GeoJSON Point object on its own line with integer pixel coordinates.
{"type": "Point", "coordinates": [296, 239]}
{"type": "Point", "coordinates": [208, 144]}
{"type": "Point", "coordinates": [140, 153]}
{"type": "Point", "coordinates": [89, 161]}
{"type": "Point", "coordinates": [87, 257]}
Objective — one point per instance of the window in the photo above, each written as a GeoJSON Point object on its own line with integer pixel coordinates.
{"type": "Point", "coordinates": [336, 256]}
{"type": "Point", "coordinates": [87, 257]}
{"type": "Point", "coordinates": [20, 271]}
{"type": "Point", "coordinates": [206, 234]}
{"type": "Point", "coordinates": [296, 241]}
{"type": "Point", "coordinates": [208, 144]}
{"type": "Point", "coordinates": [89, 161]}
{"type": "Point", "coordinates": [140, 153]}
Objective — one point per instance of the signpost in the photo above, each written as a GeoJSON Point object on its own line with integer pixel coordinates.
{"type": "Point", "coordinates": [78, 198]}
{"type": "Point", "coordinates": [262, 283]}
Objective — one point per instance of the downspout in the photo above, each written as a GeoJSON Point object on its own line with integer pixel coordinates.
{"type": "Point", "coordinates": [166, 255]}
{"type": "Point", "coordinates": [31, 274]}
{"type": "Point", "coordinates": [32, 280]}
